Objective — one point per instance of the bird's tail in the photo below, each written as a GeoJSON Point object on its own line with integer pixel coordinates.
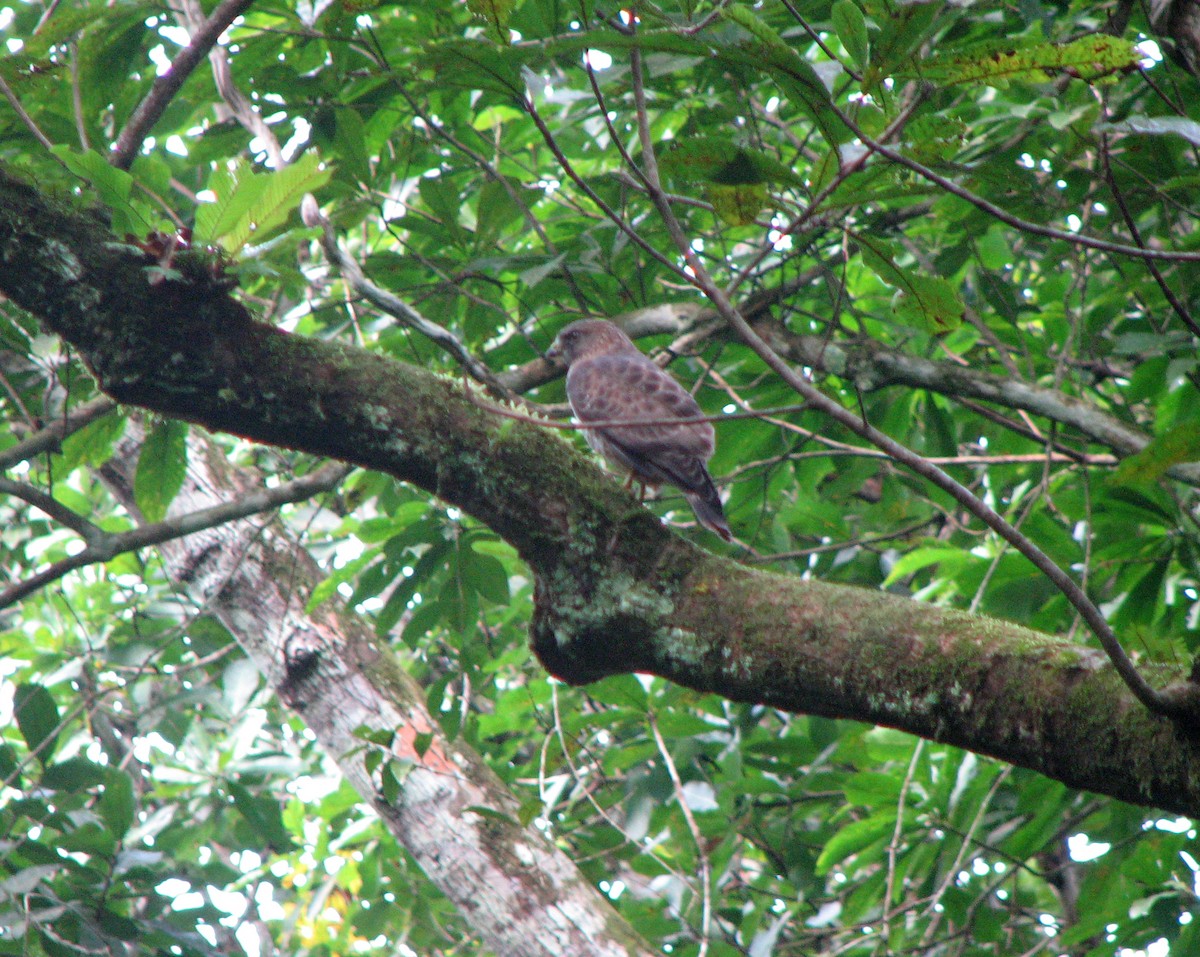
{"type": "Point", "coordinates": [706, 503]}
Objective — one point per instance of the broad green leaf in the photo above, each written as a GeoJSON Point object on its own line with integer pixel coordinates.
{"type": "Point", "coordinates": [113, 186]}
{"type": "Point", "coordinates": [1155, 126]}
{"type": "Point", "coordinates": [264, 815]}
{"type": "Point", "coordinates": [854, 838]}
{"type": "Point", "coordinates": [998, 62]}
{"type": "Point", "coordinates": [737, 205]}
{"type": "Point", "coordinates": [161, 469]}
{"type": "Point", "coordinates": [75, 775]}
{"type": "Point", "coordinates": [37, 718]}
{"type": "Point", "coordinates": [927, 302]}
{"type": "Point", "coordinates": [720, 160]}
{"type": "Point", "coordinates": [350, 137]}
{"type": "Point", "coordinates": [851, 27]}
{"type": "Point", "coordinates": [117, 804]}
{"type": "Point", "coordinates": [93, 444]}
{"type": "Point", "coordinates": [486, 575]}
{"type": "Point", "coordinates": [249, 205]}
{"type": "Point", "coordinates": [1181, 443]}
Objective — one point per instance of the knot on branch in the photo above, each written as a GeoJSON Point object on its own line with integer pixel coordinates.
{"type": "Point", "coordinates": [585, 629]}
{"type": "Point", "coordinates": [1182, 701]}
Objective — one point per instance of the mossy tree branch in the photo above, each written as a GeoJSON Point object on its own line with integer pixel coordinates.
{"type": "Point", "coordinates": [616, 591]}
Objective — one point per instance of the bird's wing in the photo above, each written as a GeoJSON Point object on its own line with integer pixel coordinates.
{"type": "Point", "coordinates": [631, 388]}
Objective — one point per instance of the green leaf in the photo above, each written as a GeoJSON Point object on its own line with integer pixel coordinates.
{"type": "Point", "coordinates": [249, 205]}
{"type": "Point", "coordinates": [422, 741]}
{"type": "Point", "coordinates": [795, 76]}
{"type": "Point", "coordinates": [93, 444]}
{"type": "Point", "coordinates": [34, 56]}
{"type": "Point", "coordinates": [718, 159]}
{"type": "Point", "coordinates": [486, 575]}
{"type": "Point", "coordinates": [161, 469]}
{"type": "Point", "coordinates": [851, 27]}
{"type": "Point", "coordinates": [113, 187]}
{"type": "Point", "coordinates": [998, 62]}
{"type": "Point", "coordinates": [1181, 443]}
{"type": "Point", "coordinates": [350, 137]}
{"type": "Point", "coordinates": [264, 815]}
{"type": "Point", "coordinates": [926, 302]}
{"type": "Point", "coordinates": [37, 718]}
{"type": "Point", "coordinates": [1155, 126]}
{"type": "Point", "coordinates": [117, 804]}
{"type": "Point", "coordinates": [737, 205]}
{"type": "Point", "coordinates": [854, 838]}
{"type": "Point", "coordinates": [75, 775]}
{"type": "Point", "coordinates": [496, 14]}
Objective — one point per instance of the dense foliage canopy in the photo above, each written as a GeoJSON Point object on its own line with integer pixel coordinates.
{"type": "Point", "coordinates": [973, 227]}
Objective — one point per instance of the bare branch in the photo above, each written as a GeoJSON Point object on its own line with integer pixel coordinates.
{"type": "Point", "coordinates": [393, 305]}
{"type": "Point", "coordinates": [166, 86]}
{"type": "Point", "coordinates": [103, 546]}
{"type": "Point", "coordinates": [24, 116]}
{"type": "Point", "coordinates": [237, 103]}
{"type": "Point", "coordinates": [48, 439]}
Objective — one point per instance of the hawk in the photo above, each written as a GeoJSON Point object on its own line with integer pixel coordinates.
{"type": "Point", "coordinates": [609, 380]}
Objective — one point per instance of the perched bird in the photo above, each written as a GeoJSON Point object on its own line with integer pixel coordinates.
{"type": "Point", "coordinates": [609, 380]}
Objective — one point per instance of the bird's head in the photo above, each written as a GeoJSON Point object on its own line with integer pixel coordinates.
{"type": "Point", "coordinates": [587, 338]}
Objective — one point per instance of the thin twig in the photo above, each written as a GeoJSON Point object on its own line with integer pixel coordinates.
{"type": "Point", "coordinates": [54, 508]}
{"type": "Point", "coordinates": [894, 844]}
{"type": "Point", "coordinates": [103, 546]}
{"type": "Point", "coordinates": [49, 438]}
{"type": "Point", "coordinates": [393, 305]}
{"type": "Point", "coordinates": [697, 837]}
{"type": "Point", "coordinates": [23, 116]}
{"type": "Point", "coordinates": [1024, 225]}
{"type": "Point", "coordinates": [1131, 224]}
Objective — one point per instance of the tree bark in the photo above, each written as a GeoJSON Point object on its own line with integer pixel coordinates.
{"type": "Point", "coordinates": [523, 896]}
{"type": "Point", "coordinates": [615, 591]}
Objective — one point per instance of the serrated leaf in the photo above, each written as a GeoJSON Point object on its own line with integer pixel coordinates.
{"type": "Point", "coordinates": [32, 57]}
{"type": "Point", "coordinates": [496, 13]}
{"type": "Point", "coordinates": [93, 444]}
{"type": "Point", "coordinates": [161, 468]}
{"type": "Point", "coordinates": [999, 62]}
{"type": "Point", "coordinates": [249, 205]}
{"type": "Point", "coordinates": [854, 838]}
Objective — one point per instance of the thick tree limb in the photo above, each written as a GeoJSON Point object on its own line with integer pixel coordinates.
{"type": "Point", "coordinates": [616, 592]}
